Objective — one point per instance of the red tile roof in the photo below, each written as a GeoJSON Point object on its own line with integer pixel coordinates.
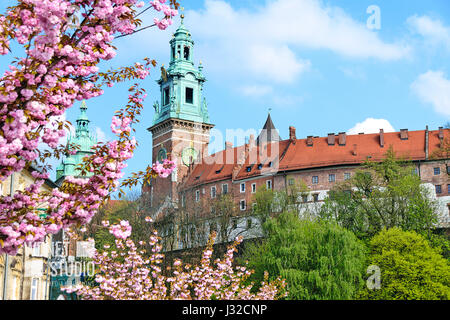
{"type": "Point", "coordinates": [298, 155]}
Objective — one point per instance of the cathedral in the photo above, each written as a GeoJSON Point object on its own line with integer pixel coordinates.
{"type": "Point", "coordinates": [181, 130]}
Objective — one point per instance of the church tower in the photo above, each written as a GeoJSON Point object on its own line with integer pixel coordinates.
{"type": "Point", "coordinates": [84, 139]}
{"type": "Point", "coordinates": [181, 125]}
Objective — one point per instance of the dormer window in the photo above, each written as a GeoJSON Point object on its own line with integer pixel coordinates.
{"type": "Point", "coordinates": [189, 95]}
{"type": "Point", "coordinates": [186, 53]}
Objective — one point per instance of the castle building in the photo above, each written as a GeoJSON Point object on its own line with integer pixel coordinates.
{"type": "Point", "coordinates": [181, 130]}
{"type": "Point", "coordinates": [24, 276]}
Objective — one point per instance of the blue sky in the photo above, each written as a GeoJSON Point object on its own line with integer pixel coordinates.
{"type": "Point", "coordinates": [316, 64]}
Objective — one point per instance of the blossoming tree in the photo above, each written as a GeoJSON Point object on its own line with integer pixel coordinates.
{"type": "Point", "coordinates": [129, 272]}
{"type": "Point", "coordinates": [63, 43]}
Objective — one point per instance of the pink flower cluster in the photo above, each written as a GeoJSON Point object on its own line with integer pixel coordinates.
{"type": "Point", "coordinates": [169, 13]}
{"type": "Point", "coordinates": [127, 273]}
{"type": "Point", "coordinates": [60, 66]}
{"type": "Point", "coordinates": [121, 230]}
{"type": "Point", "coordinates": [164, 169]}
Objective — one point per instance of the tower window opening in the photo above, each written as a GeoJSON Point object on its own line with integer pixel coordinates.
{"type": "Point", "coordinates": [186, 53]}
{"type": "Point", "coordinates": [189, 95]}
{"type": "Point", "coordinates": [173, 52]}
{"type": "Point", "coordinates": [166, 96]}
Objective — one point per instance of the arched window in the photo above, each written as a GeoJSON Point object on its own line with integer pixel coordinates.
{"type": "Point", "coordinates": [186, 53]}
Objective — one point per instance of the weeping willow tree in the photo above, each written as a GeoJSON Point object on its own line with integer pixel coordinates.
{"type": "Point", "coordinates": [318, 259]}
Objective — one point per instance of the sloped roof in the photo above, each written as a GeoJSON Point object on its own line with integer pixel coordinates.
{"type": "Point", "coordinates": [358, 148]}
{"type": "Point", "coordinates": [218, 166]}
{"type": "Point", "coordinates": [268, 133]}
{"type": "Point", "coordinates": [286, 155]}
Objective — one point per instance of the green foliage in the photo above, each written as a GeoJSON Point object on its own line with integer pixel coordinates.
{"type": "Point", "coordinates": [382, 195]}
{"type": "Point", "coordinates": [318, 259]}
{"type": "Point", "coordinates": [410, 268]}
{"type": "Point", "coordinates": [114, 211]}
{"type": "Point", "coordinates": [267, 202]}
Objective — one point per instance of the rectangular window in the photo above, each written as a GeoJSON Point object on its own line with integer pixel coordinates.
{"type": "Point", "coordinates": [36, 249]}
{"type": "Point", "coordinates": [305, 198]}
{"type": "Point", "coordinates": [34, 289]}
{"type": "Point", "coordinates": [347, 175]}
{"type": "Point", "coordinates": [437, 171]}
{"type": "Point", "coordinates": [166, 98]}
{"type": "Point", "coordinates": [291, 182]}
{"type": "Point", "coordinates": [242, 187]}
{"type": "Point", "coordinates": [242, 205]}
{"type": "Point", "coordinates": [253, 187]}
{"type": "Point", "coordinates": [213, 192]}
{"type": "Point", "coordinates": [189, 95]}
{"type": "Point", "coordinates": [331, 177]}
{"type": "Point", "coordinates": [249, 223]}
{"type": "Point", "coordinates": [315, 179]}
{"type": "Point", "coordinates": [448, 188]}
{"type": "Point", "coordinates": [197, 195]}
{"type": "Point", "coordinates": [269, 184]}
{"type": "Point", "coordinates": [235, 223]}
{"type": "Point", "coordinates": [316, 197]}
{"type": "Point", "coordinates": [438, 189]}
{"type": "Point", "coordinates": [224, 188]}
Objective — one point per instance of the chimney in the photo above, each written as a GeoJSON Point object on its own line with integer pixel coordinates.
{"type": "Point", "coordinates": [441, 133]}
{"type": "Point", "coordinates": [404, 134]}
{"type": "Point", "coordinates": [252, 141]}
{"type": "Point", "coordinates": [354, 151]}
{"type": "Point", "coordinates": [309, 141]}
{"type": "Point", "coordinates": [342, 138]}
{"type": "Point", "coordinates": [228, 145]}
{"type": "Point", "coordinates": [292, 136]}
{"type": "Point", "coordinates": [331, 139]}
{"type": "Point", "coordinates": [382, 138]}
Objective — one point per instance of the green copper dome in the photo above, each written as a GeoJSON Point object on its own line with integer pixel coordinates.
{"type": "Point", "coordinates": [84, 139]}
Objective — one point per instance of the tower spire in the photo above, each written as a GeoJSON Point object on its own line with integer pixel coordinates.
{"type": "Point", "coordinates": [83, 120]}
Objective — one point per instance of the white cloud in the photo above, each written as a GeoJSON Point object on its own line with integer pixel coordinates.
{"type": "Point", "coordinates": [432, 30]}
{"type": "Point", "coordinates": [264, 42]}
{"type": "Point", "coordinates": [255, 90]}
{"type": "Point", "coordinates": [101, 135]}
{"type": "Point", "coordinates": [371, 125]}
{"type": "Point", "coordinates": [354, 73]}
{"type": "Point", "coordinates": [433, 88]}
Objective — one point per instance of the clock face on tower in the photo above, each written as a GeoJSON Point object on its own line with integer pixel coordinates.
{"type": "Point", "coordinates": [188, 155]}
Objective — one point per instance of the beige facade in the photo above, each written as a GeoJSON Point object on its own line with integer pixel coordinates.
{"type": "Point", "coordinates": [26, 276]}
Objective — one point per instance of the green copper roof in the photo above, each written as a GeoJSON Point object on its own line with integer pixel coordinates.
{"type": "Point", "coordinates": [84, 139]}
{"type": "Point", "coordinates": [182, 83]}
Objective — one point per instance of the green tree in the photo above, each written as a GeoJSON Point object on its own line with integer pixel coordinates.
{"type": "Point", "coordinates": [382, 195]}
{"type": "Point", "coordinates": [318, 259]}
{"type": "Point", "coordinates": [410, 268]}
{"type": "Point", "coordinates": [267, 202]}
